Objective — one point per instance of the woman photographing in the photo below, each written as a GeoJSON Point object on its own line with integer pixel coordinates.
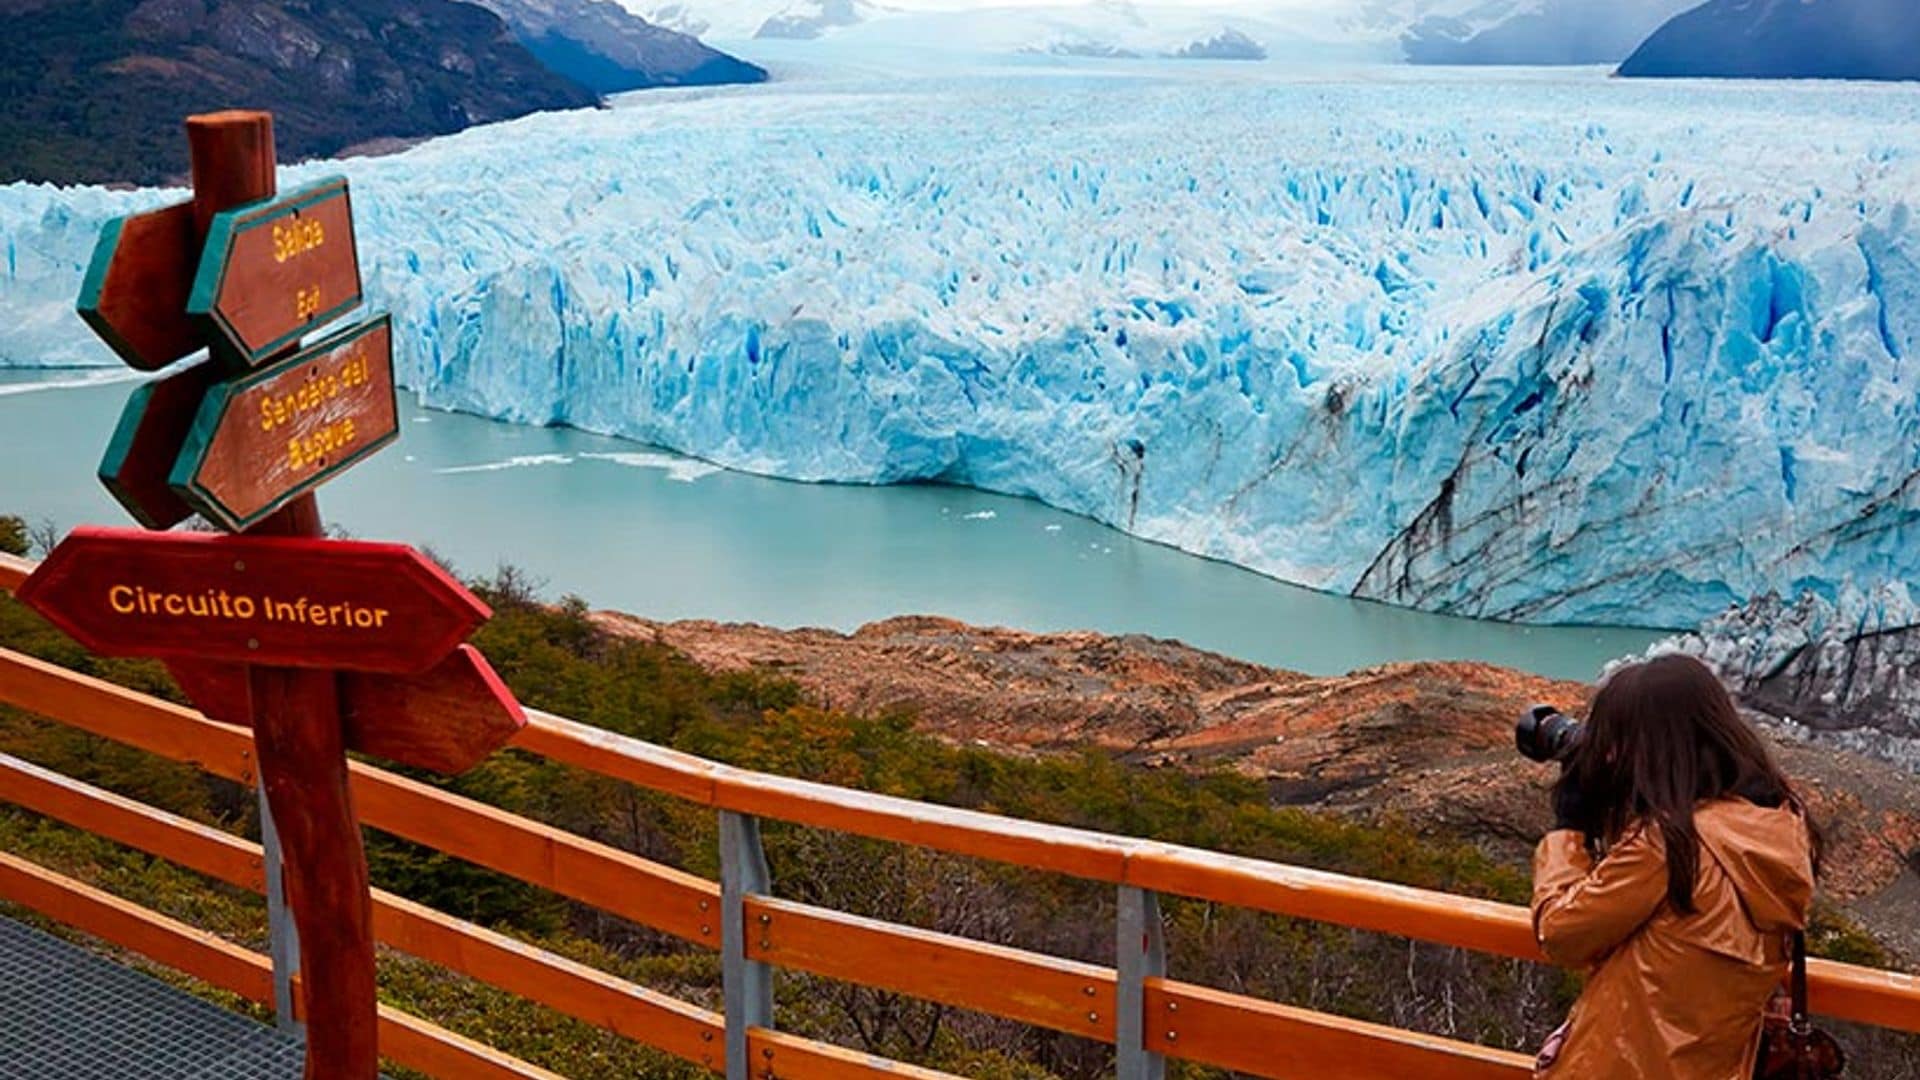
{"type": "Point", "coordinates": [1680, 866]}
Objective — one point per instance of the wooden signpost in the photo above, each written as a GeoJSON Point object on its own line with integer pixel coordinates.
{"type": "Point", "coordinates": [136, 290]}
{"type": "Point", "coordinates": [446, 720]}
{"type": "Point", "coordinates": [274, 270]}
{"type": "Point", "coordinates": [320, 646]}
{"type": "Point", "coordinates": [283, 602]}
{"type": "Point", "coordinates": [153, 427]}
{"type": "Point", "coordinates": [262, 439]}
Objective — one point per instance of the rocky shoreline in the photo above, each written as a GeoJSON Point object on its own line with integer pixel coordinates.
{"type": "Point", "coordinates": [1428, 745]}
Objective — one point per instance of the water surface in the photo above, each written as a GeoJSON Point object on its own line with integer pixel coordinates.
{"type": "Point", "coordinates": [667, 537]}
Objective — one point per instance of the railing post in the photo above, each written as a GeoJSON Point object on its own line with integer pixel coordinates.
{"type": "Point", "coordinates": [283, 939]}
{"type": "Point", "coordinates": [746, 985]}
{"type": "Point", "coordinates": [1140, 953]}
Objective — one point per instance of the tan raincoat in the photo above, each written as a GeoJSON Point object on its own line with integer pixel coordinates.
{"type": "Point", "coordinates": [1670, 995]}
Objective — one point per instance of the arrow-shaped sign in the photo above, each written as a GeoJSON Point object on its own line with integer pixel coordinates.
{"type": "Point", "coordinates": [153, 426]}
{"type": "Point", "coordinates": [136, 289]}
{"type": "Point", "coordinates": [277, 602]}
{"type": "Point", "coordinates": [446, 720]}
{"type": "Point", "coordinates": [273, 270]}
{"type": "Point", "coordinates": [271, 435]}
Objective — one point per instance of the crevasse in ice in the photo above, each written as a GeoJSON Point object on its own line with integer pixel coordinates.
{"type": "Point", "coordinates": [1549, 348]}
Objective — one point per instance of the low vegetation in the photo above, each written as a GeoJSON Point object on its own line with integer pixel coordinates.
{"type": "Point", "coordinates": [557, 659]}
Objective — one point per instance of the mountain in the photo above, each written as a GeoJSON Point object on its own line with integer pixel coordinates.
{"type": "Point", "coordinates": [1228, 44]}
{"type": "Point", "coordinates": [608, 49]}
{"type": "Point", "coordinates": [811, 18]}
{"type": "Point", "coordinates": [1785, 39]}
{"type": "Point", "coordinates": [96, 89]}
{"type": "Point", "coordinates": [740, 20]}
{"type": "Point", "coordinates": [1542, 32]}
{"type": "Point", "coordinates": [1292, 30]}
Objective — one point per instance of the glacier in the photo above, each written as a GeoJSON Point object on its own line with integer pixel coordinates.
{"type": "Point", "coordinates": [1521, 345]}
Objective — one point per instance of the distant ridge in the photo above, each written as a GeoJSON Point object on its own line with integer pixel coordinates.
{"type": "Point", "coordinates": [1786, 39]}
{"type": "Point", "coordinates": [608, 49]}
{"type": "Point", "coordinates": [95, 90]}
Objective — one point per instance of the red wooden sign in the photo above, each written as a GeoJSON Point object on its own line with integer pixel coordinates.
{"type": "Point", "coordinates": [268, 436]}
{"type": "Point", "coordinates": [446, 720]}
{"type": "Point", "coordinates": [276, 602]}
{"type": "Point", "coordinates": [153, 427]}
{"type": "Point", "coordinates": [275, 269]}
{"type": "Point", "coordinates": [137, 286]}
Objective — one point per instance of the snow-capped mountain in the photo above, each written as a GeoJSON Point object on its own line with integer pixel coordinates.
{"type": "Point", "coordinates": [607, 49]}
{"type": "Point", "coordinates": [809, 19]}
{"type": "Point", "coordinates": [1286, 29]}
{"type": "Point", "coordinates": [1426, 31]}
{"type": "Point", "coordinates": [742, 20]}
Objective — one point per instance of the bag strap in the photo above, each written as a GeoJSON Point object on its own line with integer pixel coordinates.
{"type": "Point", "coordinates": [1800, 1023]}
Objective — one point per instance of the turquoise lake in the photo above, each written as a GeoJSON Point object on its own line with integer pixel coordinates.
{"type": "Point", "coordinates": [639, 530]}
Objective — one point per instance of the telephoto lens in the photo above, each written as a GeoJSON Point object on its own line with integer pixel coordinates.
{"type": "Point", "coordinates": [1544, 733]}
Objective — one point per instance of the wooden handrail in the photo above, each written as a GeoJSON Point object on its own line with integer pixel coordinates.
{"type": "Point", "coordinates": [1062, 995]}
{"type": "Point", "coordinates": [569, 986]}
{"type": "Point", "coordinates": [1267, 1039]}
{"type": "Point", "coordinates": [634, 888]}
{"type": "Point", "coordinates": [193, 845]}
{"type": "Point", "coordinates": [790, 1057]}
{"type": "Point", "coordinates": [1886, 998]}
{"type": "Point", "coordinates": [434, 1050]}
{"type": "Point", "coordinates": [1424, 914]}
{"type": "Point", "coordinates": [207, 957]}
{"type": "Point", "coordinates": [806, 938]}
{"type": "Point", "coordinates": [14, 571]}
{"type": "Point", "coordinates": [1058, 994]}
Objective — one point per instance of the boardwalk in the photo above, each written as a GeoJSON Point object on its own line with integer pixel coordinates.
{"type": "Point", "coordinates": [68, 1014]}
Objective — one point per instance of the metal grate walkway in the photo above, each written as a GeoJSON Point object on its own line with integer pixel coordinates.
{"type": "Point", "coordinates": [67, 1014]}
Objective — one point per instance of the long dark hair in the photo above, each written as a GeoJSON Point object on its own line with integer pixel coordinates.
{"type": "Point", "coordinates": [1661, 736]}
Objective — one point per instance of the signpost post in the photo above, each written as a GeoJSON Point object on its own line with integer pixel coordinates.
{"type": "Point", "coordinates": [318, 645]}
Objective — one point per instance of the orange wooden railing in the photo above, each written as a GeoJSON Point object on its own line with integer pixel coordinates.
{"type": "Point", "coordinates": [1147, 1016]}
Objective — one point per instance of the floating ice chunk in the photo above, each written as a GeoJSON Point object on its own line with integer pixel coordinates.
{"type": "Point", "coordinates": [519, 461]}
{"type": "Point", "coordinates": [684, 469]}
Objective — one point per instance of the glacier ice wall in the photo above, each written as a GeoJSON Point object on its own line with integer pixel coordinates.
{"type": "Point", "coordinates": [1842, 670]}
{"type": "Point", "coordinates": [1547, 348]}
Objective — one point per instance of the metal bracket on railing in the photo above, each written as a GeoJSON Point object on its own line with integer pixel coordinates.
{"type": "Point", "coordinates": [746, 985]}
{"type": "Point", "coordinates": [283, 940]}
{"type": "Point", "coordinates": [1140, 953]}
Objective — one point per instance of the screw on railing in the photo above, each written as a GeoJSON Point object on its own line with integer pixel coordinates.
{"type": "Point", "coordinates": [1140, 953]}
{"type": "Point", "coordinates": [746, 985]}
{"type": "Point", "coordinates": [283, 940]}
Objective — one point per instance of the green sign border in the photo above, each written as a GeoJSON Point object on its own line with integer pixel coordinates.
{"type": "Point", "coordinates": [96, 280]}
{"type": "Point", "coordinates": [185, 478]}
{"type": "Point", "coordinates": [218, 252]}
{"type": "Point", "coordinates": [114, 462]}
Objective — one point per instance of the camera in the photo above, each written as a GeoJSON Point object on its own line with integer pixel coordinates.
{"type": "Point", "coordinates": [1544, 733]}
